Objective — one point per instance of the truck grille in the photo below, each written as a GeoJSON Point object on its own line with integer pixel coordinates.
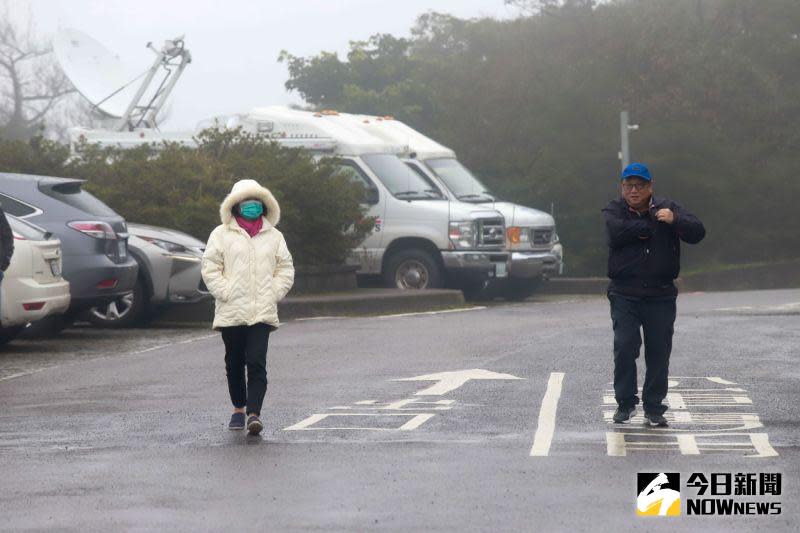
{"type": "Point", "coordinates": [491, 233]}
{"type": "Point", "coordinates": [541, 236]}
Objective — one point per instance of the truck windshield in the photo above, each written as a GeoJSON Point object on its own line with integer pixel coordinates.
{"type": "Point", "coordinates": [401, 181]}
{"type": "Point", "coordinates": [460, 180]}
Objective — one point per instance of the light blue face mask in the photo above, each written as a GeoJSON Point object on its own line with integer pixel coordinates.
{"type": "Point", "coordinates": [251, 209]}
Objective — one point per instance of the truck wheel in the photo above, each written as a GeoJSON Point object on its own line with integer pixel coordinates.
{"type": "Point", "coordinates": [517, 290]}
{"type": "Point", "coordinates": [125, 311]}
{"type": "Point", "coordinates": [413, 269]}
{"type": "Point", "coordinates": [9, 334]}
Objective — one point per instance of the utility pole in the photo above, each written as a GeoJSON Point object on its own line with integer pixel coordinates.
{"type": "Point", "coordinates": [624, 129]}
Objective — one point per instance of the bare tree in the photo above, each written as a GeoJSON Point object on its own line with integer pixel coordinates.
{"type": "Point", "coordinates": [31, 84]}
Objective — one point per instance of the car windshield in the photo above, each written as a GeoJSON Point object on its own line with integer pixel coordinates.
{"type": "Point", "coordinates": [401, 181]}
{"type": "Point", "coordinates": [460, 180]}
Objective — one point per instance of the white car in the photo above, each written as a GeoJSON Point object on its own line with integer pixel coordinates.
{"type": "Point", "coordinates": [32, 287]}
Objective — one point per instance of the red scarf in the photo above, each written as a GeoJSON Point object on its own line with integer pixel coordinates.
{"type": "Point", "coordinates": [252, 227]}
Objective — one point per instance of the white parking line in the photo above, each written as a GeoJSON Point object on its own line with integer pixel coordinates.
{"type": "Point", "coordinates": [396, 315]}
{"type": "Point", "coordinates": [137, 352]}
{"type": "Point", "coordinates": [547, 416]}
{"type": "Point", "coordinates": [443, 312]}
{"type": "Point", "coordinates": [20, 374]}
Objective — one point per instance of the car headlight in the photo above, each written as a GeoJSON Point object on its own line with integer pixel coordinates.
{"type": "Point", "coordinates": [170, 247]}
{"type": "Point", "coordinates": [462, 234]}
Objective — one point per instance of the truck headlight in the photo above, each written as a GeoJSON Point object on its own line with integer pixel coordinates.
{"type": "Point", "coordinates": [517, 235]}
{"type": "Point", "coordinates": [462, 234]}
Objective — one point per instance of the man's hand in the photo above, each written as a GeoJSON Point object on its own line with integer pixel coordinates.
{"type": "Point", "coordinates": [665, 215]}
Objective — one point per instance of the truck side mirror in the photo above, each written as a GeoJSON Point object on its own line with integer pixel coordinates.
{"type": "Point", "coordinates": [371, 195]}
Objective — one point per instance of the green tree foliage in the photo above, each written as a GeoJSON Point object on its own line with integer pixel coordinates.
{"type": "Point", "coordinates": [379, 74]}
{"type": "Point", "coordinates": [532, 105]}
{"type": "Point", "coordinates": [182, 188]}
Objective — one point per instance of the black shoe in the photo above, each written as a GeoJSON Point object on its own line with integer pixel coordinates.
{"type": "Point", "coordinates": [237, 422]}
{"type": "Point", "coordinates": [254, 425]}
{"type": "Point", "coordinates": [655, 420]}
{"type": "Point", "coordinates": [623, 414]}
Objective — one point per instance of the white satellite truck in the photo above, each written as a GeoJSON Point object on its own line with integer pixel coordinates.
{"type": "Point", "coordinates": [532, 242]}
{"type": "Point", "coordinates": [423, 237]}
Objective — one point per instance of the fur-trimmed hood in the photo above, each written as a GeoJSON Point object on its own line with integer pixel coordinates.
{"type": "Point", "coordinates": [245, 190]}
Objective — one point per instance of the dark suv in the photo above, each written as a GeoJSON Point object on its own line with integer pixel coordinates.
{"type": "Point", "coordinates": [94, 238]}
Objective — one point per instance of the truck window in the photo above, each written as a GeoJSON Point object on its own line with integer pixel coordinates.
{"type": "Point", "coordinates": [459, 180]}
{"type": "Point", "coordinates": [401, 181]}
{"type": "Point", "coordinates": [416, 168]}
{"type": "Point", "coordinates": [355, 175]}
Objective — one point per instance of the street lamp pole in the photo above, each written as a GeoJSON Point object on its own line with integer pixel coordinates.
{"type": "Point", "coordinates": [624, 130]}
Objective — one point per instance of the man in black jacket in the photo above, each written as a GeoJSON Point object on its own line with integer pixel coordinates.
{"type": "Point", "coordinates": [643, 234]}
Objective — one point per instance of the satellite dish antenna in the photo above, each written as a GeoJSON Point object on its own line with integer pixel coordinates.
{"type": "Point", "coordinates": [110, 86]}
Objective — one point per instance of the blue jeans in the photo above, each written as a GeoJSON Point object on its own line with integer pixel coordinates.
{"type": "Point", "coordinates": [656, 317]}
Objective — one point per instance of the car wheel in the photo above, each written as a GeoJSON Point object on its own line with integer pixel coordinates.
{"type": "Point", "coordinates": [413, 269]}
{"type": "Point", "coordinates": [9, 334]}
{"type": "Point", "coordinates": [125, 311]}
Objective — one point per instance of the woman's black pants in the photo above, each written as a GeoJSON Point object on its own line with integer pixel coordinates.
{"type": "Point", "coordinates": [246, 346]}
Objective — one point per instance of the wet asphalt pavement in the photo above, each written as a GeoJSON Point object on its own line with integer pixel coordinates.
{"type": "Point", "coordinates": [127, 430]}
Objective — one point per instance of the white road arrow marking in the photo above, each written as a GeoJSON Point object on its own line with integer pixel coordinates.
{"type": "Point", "coordinates": [448, 381]}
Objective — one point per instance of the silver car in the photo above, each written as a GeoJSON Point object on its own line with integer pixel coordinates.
{"type": "Point", "coordinates": [169, 273]}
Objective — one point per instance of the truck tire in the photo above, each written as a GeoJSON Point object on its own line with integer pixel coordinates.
{"type": "Point", "coordinates": [413, 269]}
{"type": "Point", "coordinates": [9, 334]}
{"type": "Point", "coordinates": [126, 311]}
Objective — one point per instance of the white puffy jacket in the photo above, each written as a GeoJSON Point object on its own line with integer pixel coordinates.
{"type": "Point", "coordinates": [247, 275]}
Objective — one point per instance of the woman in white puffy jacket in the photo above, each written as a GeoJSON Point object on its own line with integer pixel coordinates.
{"type": "Point", "coordinates": [248, 269]}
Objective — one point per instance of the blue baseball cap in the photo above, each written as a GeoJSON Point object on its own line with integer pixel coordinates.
{"type": "Point", "coordinates": [637, 170]}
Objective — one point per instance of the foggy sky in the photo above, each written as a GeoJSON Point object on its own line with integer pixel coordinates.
{"type": "Point", "coordinates": [235, 43]}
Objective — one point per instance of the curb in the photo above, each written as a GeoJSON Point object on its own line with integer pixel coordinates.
{"type": "Point", "coordinates": [574, 286]}
{"type": "Point", "coordinates": [359, 302]}
{"type": "Point", "coordinates": [778, 275]}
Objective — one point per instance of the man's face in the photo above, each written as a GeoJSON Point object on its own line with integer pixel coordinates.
{"type": "Point", "coordinates": [637, 192]}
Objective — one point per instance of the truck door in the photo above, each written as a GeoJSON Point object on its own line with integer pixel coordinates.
{"type": "Point", "coordinates": [369, 253]}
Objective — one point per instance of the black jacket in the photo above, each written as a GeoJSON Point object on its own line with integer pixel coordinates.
{"type": "Point", "coordinates": [6, 242]}
{"type": "Point", "coordinates": [644, 254]}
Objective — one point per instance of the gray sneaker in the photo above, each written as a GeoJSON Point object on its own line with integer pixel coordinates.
{"type": "Point", "coordinates": [254, 425]}
{"type": "Point", "coordinates": [655, 420]}
{"type": "Point", "coordinates": [623, 414]}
